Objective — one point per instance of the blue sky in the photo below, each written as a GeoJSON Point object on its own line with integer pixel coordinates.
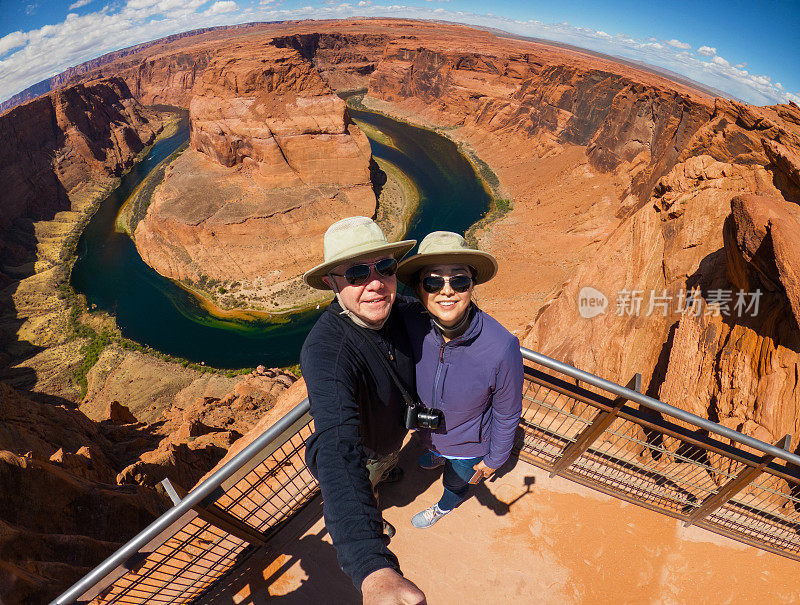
{"type": "Point", "coordinates": [747, 49]}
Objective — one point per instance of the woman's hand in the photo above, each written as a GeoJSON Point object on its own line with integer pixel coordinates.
{"type": "Point", "coordinates": [487, 471]}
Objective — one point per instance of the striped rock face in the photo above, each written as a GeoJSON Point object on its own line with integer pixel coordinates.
{"type": "Point", "coordinates": [274, 160]}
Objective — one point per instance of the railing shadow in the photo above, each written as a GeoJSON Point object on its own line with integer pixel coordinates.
{"type": "Point", "coordinates": [304, 571]}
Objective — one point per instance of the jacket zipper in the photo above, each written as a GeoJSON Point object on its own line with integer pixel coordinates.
{"type": "Point", "coordinates": [436, 379]}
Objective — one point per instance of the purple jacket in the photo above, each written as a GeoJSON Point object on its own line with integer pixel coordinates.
{"type": "Point", "coordinates": [475, 379]}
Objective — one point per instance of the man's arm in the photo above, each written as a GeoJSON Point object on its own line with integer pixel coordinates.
{"type": "Point", "coordinates": [506, 406]}
{"type": "Point", "coordinates": [336, 458]}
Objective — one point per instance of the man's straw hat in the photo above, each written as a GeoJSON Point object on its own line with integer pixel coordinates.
{"type": "Point", "coordinates": [353, 239]}
{"type": "Point", "coordinates": [448, 248]}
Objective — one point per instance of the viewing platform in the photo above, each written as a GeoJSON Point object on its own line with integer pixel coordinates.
{"type": "Point", "coordinates": [523, 538]}
{"type": "Point", "coordinates": [611, 496]}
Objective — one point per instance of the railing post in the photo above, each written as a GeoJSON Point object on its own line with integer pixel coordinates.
{"type": "Point", "coordinates": [734, 486]}
{"type": "Point", "coordinates": [592, 431]}
{"type": "Point", "coordinates": [218, 517]}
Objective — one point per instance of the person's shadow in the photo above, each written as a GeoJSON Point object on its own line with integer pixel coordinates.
{"type": "Point", "coordinates": [416, 481]}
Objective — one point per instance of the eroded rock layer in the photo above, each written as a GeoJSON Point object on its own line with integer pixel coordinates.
{"type": "Point", "coordinates": [75, 490]}
{"type": "Point", "coordinates": [274, 160]}
{"type": "Point", "coordinates": [714, 269]}
{"type": "Point", "coordinates": [510, 88]}
{"type": "Point", "coordinates": [55, 146]}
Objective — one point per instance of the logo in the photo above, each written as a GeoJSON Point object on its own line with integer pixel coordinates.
{"type": "Point", "coordinates": [591, 302]}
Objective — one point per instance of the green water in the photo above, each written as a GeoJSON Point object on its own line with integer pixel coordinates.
{"type": "Point", "coordinates": [153, 311]}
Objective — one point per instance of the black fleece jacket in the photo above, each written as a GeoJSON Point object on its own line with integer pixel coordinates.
{"type": "Point", "coordinates": [358, 414]}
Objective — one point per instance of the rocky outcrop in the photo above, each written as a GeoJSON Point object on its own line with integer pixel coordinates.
{"type": "Point", "coordinates": [54, 147]}
{"type": "Point", "coordinates": [61, 512]}
{"type": "Point", "coordinates": [742, 370]}
{"type": "Point", "coordinates": [55, 526]}
{"type": "Point", "coordinates": [42, 429]}
{"type": "Point", "coordinates": [75, 490]}
{"type": "Point", "coordinates": [197, 435]}
{"type": "Point", "coordinates": [715, 231]}
{"type": "Point", "coordinates": [344, 60]}
{"type": "Point", "coordinates": [274, 160]}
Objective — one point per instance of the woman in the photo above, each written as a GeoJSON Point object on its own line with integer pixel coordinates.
{"type": "Point", "coordinates": [468, 366]}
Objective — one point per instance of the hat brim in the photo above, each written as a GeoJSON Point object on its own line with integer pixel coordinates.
{"type": "Point", "coordinates": [398, 250]}
{"type": "Point", "coordinates": [485, 264]}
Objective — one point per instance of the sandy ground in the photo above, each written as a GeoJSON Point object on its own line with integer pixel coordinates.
{"type": "Point", "coordinates": [526, 538]}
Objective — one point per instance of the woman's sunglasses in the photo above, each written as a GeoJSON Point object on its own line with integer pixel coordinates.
{"type": "Point", "coordinates": [434, 283]}
{"type": "Point", "coordinates": [358, 275]}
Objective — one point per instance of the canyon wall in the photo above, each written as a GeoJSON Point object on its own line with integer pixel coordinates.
{"type": "Point", "coordinates": [165, 70]}
{"type": "Point", "coordinates": [547, 98]}
{"type": "Point", "coordinates": [274, 160]}
{"type": "Point", "coordinates": [344, 60]}
{"type": "Point", "coordinates": [715, 231]}
{"type": "Point", "coordinates": [55, 147]}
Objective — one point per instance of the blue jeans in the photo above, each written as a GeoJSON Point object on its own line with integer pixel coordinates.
{"type": "Point", "coordinates": [455, 478]}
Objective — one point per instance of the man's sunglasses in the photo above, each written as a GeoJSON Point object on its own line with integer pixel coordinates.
{"type": "Point", "coordinates": [358, 275]}
{"type": "Point", "coordinates": [434, 283]}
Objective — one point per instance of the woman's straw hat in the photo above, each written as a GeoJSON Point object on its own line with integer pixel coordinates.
{"type": "Point", "coordinates": [353, 239]}
{"type": "Point", "coordinates": [446, 247]}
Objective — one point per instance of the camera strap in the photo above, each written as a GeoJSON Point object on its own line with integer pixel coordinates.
{"type": "Point", "coordinates": [382, 356]}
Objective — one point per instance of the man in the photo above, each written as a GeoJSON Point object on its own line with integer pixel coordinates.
{"type": "Point", "coordinates": [356, 406]}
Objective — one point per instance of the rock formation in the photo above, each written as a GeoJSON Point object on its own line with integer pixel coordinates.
{"type": "Point", "coordinates": [714, 232]}
{"type": "Point", "coordinates": [344, 60]}
{"type": "Point", "coordinates": [144, 64]}
{"type": "Point", "coordinates": [55, 147]}
{"type": "Point", "coordinates": [505, 88]}
{"type": "Point", "coordinates": [61, 512]}
{"type": "Point", "coordinates": [75, 490]}
{"type": "Point", "coordinates": [274, 160]}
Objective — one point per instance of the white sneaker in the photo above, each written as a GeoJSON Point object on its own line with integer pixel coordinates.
{"type": "Point", "coordinates": [428, 517]}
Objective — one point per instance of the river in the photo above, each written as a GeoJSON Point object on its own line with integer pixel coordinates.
{"type": "Point", "coordinates": [154, 311]}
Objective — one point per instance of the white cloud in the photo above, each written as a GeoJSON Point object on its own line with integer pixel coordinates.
{"type": "Point", "coordinates": [79, 4]}
{"type": "Point", "coordinates": [707, 51]}
{"type": "Point", "coordinates": [719, 61]}
{"type": "Point", "coordinates": [364, 2]}
{"type": "Point", "coordinates": [222, 6]}
{"type": "Point", "coordinates": [12, 41]}
{"type": "Point", "coordinates": [679, 44]}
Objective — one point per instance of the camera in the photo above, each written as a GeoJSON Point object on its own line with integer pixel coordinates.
{"type": "Point", "coordinates": [420, 417]}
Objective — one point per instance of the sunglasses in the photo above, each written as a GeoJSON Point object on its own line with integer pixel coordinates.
{"type": "Point", "coordinates": [358, 275]}
{"type": "Point", "coordinates": [434, 283]}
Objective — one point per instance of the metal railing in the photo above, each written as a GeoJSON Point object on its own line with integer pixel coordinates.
{"type": "Point", "coordinates": [192, 545]}
{"type": "Point", "coordinates": [624, 443]}
{"type": "Point", "coordinates": [627, 444]}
